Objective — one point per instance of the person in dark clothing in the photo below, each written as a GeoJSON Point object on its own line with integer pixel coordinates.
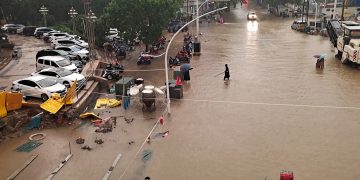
{"type": "Point", "coordinates": [187, 75]}
{"type": "Point", "coordinates": [227, 73]}
{"type": "Point", "coordinates": [320, 63]}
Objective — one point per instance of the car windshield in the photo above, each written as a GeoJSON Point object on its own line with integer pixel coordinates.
{"type": "Point", "coordinates": [63, 63]}
{"type": "Point", "coordinates": [47, 82]}
{"type": "Point", "coordinates": [76, 48]}
{"type": "Point", "coordinates": [62, 53]}
{"type": "Point", "coordinates": [64, 73]}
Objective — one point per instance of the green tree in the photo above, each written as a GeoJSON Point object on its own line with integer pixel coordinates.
{"type": "Point", "coordinates": [144, 19]}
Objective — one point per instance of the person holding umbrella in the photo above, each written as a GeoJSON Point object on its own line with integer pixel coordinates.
{"type": "Point", "coordinates": [185, 69]}
{"type": "Point", "coordinates": [227, 73]}
{"type": "Point", "coordinates": [320, 61]}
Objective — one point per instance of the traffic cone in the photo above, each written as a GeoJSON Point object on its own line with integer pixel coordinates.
{"type": "Point", "coordinates": [178, 81]}
{"type": "Point", "coordinates": [161, 120]}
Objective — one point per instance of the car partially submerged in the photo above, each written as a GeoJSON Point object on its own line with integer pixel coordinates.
{"type": "Point", "coordinates": [251, 16]}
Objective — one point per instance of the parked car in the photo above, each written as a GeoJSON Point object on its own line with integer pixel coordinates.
{"type": "Point", "coordinates": [79, 64]}
{"type": "Point", "coordinates": [20, 30]}
{"type": "Point", "coordinates": [251, 16]}
{"type": "Point", "coordinates": [63, 76]}
{"type": "Point", "coordinates": [54, 61]}
{"type": "Point", "coordinates": [13, 28]}
{"type": "Point", "coordinates": [69, 42]}
{"type": "Point", "coordinates": [112, 35]}
{"type": "Point", "coordinates": [28, 30]}
{"type": "Point", "coordinates": [52, 52]}
{"type": "Point", "coordinates": [75, 50]}
{"type": "Point", "coordinates": [47, 35]}
{"type": "Point", "coordinates": [39, 87]}
{"type": "Point", "coordinates": [56, 36]}
{"type": "Point", "coordinates": [4, 27]}
{"type": "Point", "coordinates": [298, 25]}
{"type": "Point", "coordinates": [41, 30]}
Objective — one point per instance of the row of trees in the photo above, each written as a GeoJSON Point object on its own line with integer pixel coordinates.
{"type": "Point", "coordinates": [144, 19]}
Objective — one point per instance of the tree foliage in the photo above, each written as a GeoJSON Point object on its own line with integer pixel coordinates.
{"type": "Point", "coordinates": [144, 19]}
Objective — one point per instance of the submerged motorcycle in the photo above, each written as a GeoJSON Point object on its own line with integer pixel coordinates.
{"type": "Point", "coordinates": [113, 71]}
{"type": "Point", "coordinates": [144, 59]}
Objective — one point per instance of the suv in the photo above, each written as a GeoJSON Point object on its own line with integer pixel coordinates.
{"type": "Point", "coordinates": [13, 28]}
{"type": "Point", "coordinates": [251, 16]}
{"type": "Point", "coordinates": [41, 30]}
{"type": "Point", "coordinates": [298, 25]}
{"type": "Point", "coordinates": [54, 61]}
{"type": "Point", "coordinates": [28, 30]}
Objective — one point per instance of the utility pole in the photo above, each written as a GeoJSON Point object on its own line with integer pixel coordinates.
{"type": "Point", "coordinates": [303, 10]}
{"type": "Point", "coordinates": [342, 11]}
{"type": "Point", "coordinates": [307, 12]}
{"type": "Point", "coordinates": [187, 10]}
{"type": "Point", "coordinates": [334, 11]}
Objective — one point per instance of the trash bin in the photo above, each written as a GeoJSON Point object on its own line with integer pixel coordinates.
{"type": "Point", "coordinates": [197, 48]}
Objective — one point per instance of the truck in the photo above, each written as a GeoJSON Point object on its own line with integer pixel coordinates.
{"type": "Point", "coordinates": [348, 44]}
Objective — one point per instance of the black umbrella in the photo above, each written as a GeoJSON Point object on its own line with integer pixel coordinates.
{"type": "Point", "coordinates": [185, 67]}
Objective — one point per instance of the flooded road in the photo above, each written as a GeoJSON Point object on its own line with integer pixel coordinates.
{"type": "Point", "coordinates": [276, 113]}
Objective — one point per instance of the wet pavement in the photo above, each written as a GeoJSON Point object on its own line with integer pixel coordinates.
{"type": "Point", "coordinates": [276, 113]}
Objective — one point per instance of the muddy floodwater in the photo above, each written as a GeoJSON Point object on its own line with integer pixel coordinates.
{"type": "Point", "coordinates": [277, 112]}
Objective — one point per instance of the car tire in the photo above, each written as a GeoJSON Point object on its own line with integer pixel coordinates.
{"type": "Point", "coordinates": [44, 97]}
{"type": "Point", "coordinates": [66, 84]}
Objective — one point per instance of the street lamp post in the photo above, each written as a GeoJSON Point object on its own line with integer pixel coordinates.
{"type": "Point", "coordinates": [43, 10]}
{"type": "Point", "coordinates": [167, 50]}
{"type": "Point", "coordinates": [72, 13]}
{"type": "Point", "coordinates": [316, 10]}
{"type": "Point", "coordinates": [90, 29]}
{"type": "Point", "coordinates": [197, 45]}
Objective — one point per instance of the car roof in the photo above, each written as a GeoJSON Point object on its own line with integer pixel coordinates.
{"type": "Point", "coordinates": [34, 78]}
{"type": "Point", "coordinates": [53, 58]}
{"type": "Point", "coordinates": [352, 27]}
{"type": "Point", "coordinates": [55, 50]}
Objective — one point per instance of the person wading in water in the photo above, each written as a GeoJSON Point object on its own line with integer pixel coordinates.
{"type": "Point", "coordinates": [227, 73]}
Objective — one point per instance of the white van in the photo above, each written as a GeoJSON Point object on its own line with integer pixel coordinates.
{"type": "Point", "coordinates": [54, 61]}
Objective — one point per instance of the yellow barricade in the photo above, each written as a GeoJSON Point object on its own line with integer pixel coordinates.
{"type": "Point", "coordinates": [13, 101]}
{"type": "Point", "coordinates": [3, 111]}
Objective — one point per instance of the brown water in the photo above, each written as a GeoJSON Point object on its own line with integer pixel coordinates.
{"type": "Point", "coordinates": [276, 113]}
{"type": "Point", "coordinates": [232, 138]}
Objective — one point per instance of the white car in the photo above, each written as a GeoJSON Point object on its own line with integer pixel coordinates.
{"type": "Point", "coordinates": [251, 15]}
{"type": "Point", "coordinates": [69, 42]}
{"type": "Point", "coordinates": [112, 35]}
{"type": "Point", "coordinates": [75, 50]}
{"type": "Point", "coordinates": [45, 62]}
{"type": "Point", "coordinates": [39, 87]}
{"type": "Point", "coordinates": [63, 76]}
{"type": "Point", "coordinates": [56, 36]}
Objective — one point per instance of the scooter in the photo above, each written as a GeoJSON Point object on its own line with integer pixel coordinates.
{"type": "Point", "coordinates": [113, 72]}
{"type": "Point", "coordinates": [144, 59]}
{"type": "Point", "coordinates": [174, 61]}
